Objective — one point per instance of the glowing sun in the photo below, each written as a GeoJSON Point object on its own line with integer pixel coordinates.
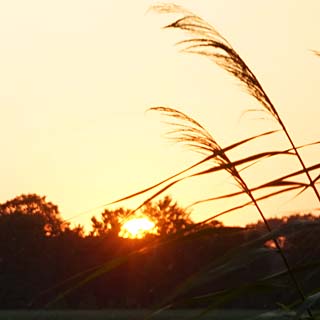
{"type": "Point", "coordinates": [137, 228]}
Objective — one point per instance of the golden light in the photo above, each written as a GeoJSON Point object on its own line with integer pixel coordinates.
{"type": "Point", "coordinates": [137, 228]}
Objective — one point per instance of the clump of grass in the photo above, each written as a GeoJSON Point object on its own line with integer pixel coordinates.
{"type": "Point", "coordinates": [208, 42]}
{"type": "Point", "coordinates": [191, 133]}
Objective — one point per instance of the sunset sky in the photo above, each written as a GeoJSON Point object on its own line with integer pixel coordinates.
{"type": "Point", "coordinates": [78, 75]}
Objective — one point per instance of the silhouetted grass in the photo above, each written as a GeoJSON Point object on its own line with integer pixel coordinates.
{"type": "Point", "coordinates": [207, 41]}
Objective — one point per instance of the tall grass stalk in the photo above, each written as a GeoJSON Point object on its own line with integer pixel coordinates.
{"type": "Point", "coordinates": [191, 133]}
{"type": "Point", "coordinates": [210, 43]}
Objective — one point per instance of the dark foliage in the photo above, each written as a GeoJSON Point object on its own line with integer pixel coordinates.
{"type": "Point", "coordinates": [34, 265]}
{"type": "Point", "coordinates": [32, 206]}
{"type": "Point", "coordinates": [166, 214]}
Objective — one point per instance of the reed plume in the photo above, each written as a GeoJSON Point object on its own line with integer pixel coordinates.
{"type": "Point", "coordinates": [208, 42]}
{"type": "Point", "coordinates": [189, 132]}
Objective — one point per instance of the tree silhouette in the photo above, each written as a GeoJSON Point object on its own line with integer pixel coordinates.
{"type": "Point", "coordinates": [33, 209]}
{"type": "Point", "coordinates": [28, 225]}
{"type": "Point", "coordinates": [167, 215]}
{"type": "Point", "coordinates": [31, 262]}
{"type": "Point", "coordinates": [110, 223]}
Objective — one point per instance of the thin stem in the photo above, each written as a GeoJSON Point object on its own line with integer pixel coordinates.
{"type": "Point", "coordinates": [312, 183]}
{"type": "Point", "coordinates": [284, 259]}
{"type": "Point", "coordinates": [211, 44]}
{"type": "Point", "coordinates": [247, 190]}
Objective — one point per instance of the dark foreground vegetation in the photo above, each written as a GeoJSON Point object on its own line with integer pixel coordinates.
{"type": "Point", "coordinates": [270, 265]}
{"type": "Point", "coordinates": [132, 314]}
{"type": "Point", "coordinates": [46, 263]}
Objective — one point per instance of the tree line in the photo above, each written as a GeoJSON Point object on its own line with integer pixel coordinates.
{"type": "Point", "coordinates": [46, 262]}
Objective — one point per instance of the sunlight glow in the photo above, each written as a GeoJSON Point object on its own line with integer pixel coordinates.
{"type": "Point", "coordinates": [137, 228]}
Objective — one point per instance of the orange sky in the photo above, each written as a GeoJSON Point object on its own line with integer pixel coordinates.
{"type": "Point", "coordinates": [77, 76]}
